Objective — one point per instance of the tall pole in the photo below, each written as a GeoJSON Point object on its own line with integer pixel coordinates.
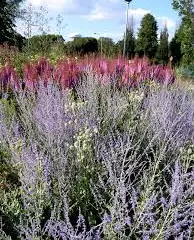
{"type": "Point", "coordinates": [101, 45]}
{"type": "Point", "coordinates": [100, 38]}
{"type": "Point", "coordinates": [125, 35]}
{"type": "Point", "coordinates": [29, 23]}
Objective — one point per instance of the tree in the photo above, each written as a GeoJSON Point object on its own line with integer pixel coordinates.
{"type": "Point", "coordinates": [186, 11]}
{"type": "Point", "coordinates": [162, 54]}
{"type": "Point", "coordinates": [82, 45]}
{"type": "Point", "coordinates": [9, 11]}
{"type": "Point", "coordinates": [187, 48]}
{"type": "Point", "coordinates": [108, 46]}
{"type": "Point", "coordinates": [119, 47]}
{"type": "Point", "coordinates": [175, 48]}
{"type": "Point", "coordinates": [185, 7]}
{"type": "Point", "coordinates": [44, 44]}
{"type": "Point", "coordinates": [130, 41]}
{"type": "Point", "coordinates": [130, 44]}
{"type": "Point", "coordinates": [147, 37]}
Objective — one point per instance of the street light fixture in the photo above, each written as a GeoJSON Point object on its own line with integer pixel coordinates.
{"type": "Point", "coordinates": [100, 43]}
{"type": "Point", "coordinates": [127, 20]}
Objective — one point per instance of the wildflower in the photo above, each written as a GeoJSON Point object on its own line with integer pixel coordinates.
{"type": "Point", "coordinates": [107, 218]}
{"type": "Point", "coordinates": [189, 151]}
{"type": "Point", "coordinates": [117, 228]}
{"type": "Point", "coordinates": [176, 189]}
{"type": "Point", "coordinates": [95, 130]}
{"type": "Point", "coordinates": [128, 221]}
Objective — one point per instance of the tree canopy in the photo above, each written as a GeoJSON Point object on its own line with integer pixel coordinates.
{"type": "Point", "coordinates": [162, 55]}
{"type": "Point", "coordinates": [107, 45]}
{"type": "Point", "coordinates": [9, 11]}
{"type": "Point", "coordinates": [82, 45]}
{"type": "Point", "coordinates": [186, 36]}
{"type": "Point", "coordinates": [147, 37]}
{"type": "Point", "coordinates": [44, 44]}
{"type": "Point", "coordinates": [175, 48]}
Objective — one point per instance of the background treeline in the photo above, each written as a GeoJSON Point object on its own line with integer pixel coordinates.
{"type": "Point", "coordinates": [180, 49]}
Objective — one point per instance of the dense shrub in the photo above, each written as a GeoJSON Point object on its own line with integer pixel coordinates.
{"type": "Point", "coordinates": [44, 44]}
{"type": "Point", "coordinates": [99, 162]}
{"type": "Point", "coordinates": [82, 46]}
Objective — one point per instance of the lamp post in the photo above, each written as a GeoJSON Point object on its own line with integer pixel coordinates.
{"type": "Point", "coordinates": [100, 43]}
{"type": "Point", "coordinates": [125, 35]}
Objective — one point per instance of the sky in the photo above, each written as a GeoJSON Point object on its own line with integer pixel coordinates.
{"type": "Point", "coordinates": [106, 18]}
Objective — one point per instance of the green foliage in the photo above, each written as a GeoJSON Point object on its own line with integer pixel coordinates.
{"type": "Point", "coordinates": [186, 73]}
{"type": "Point", "coordinates": [85, 172]}
{"type": "Point", "coordinates": [9, 10]}
{"type": "Point", "coordinates": [185, 35]}
{"type": "Point", "coordinates": [185, 9]}
{"type": "Point", "coordinates": [9, 178]}
{"type": "Point", "coordinates": [130, 43]}
{"type": "Point", "coordinates": [82, 46]}
{"type": "Point", "coordinates": [108, 46]}
{"type": "Point", "coordinates": [19, 41]}
{"type": "Point", "coordinates": [45, 44]}
{"type": "Point", "coordinates": [119, 47]}
{"type": "Point", "coordinates": [9, 109]}
{"type": "Point", "coordinates": [162, 54]}
{"type": "Point", "coordinates": [175, 48]}
{"type": "Point", "coordinates": [7, 53]}
{"type": "Point", "coordinates": [10, 213]}
{"type": "Point", "coordinates": [147, 37]}
{"type": "Point", "coordinates": [187, 48]}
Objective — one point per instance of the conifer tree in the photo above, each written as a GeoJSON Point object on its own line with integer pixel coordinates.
{"type": "Point", "coordinates": [130, 41]}
{"type": "Point", "coordinates": [147, 37]}
{"type": "Point", "coordinates": [175, 48]}
{"type": "Point", "coordinates": [162, 55]}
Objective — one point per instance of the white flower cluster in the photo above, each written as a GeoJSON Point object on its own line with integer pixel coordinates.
{"type": "Point", "coordinates": [82, 143]}
{"type": "Point", "coordinates": [136, 96]}
{"type": "Point", "coordinates": [72, 108]}
{"type": "Point", "coordinates": [16, 147]}
{"type": "Point", "coordinates": [189, 152]}
{"type": "Point", "coordinates": [75, 105]}
{"type": "Point", "coordinates": [154, 85]}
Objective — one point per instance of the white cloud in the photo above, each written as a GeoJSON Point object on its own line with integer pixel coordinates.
{"type": "Point", "coordinates": [171, 25]}
{"type": "Point", "coordinates": [166, 20]}
{"type": "Point", "coordinates": [65, 6]}
{"type": "Point", "coordinates": [97, 14]}
{"type": "Point", "coordinates": [51, 3]}
{"type": "Point", "coordinates": [74, 34]}
{"type": "Point", "coordinates": [101, 10]}
{"type": "Point", "coordinates": [116, 36]}
{"type": "Point", "coordinates": [96, 10]}
{"type": "Point", "coordinates": [103, 13]}
{"type": "Point", "coordinates": [114, 1]}
{"type": "Point", "coordinates": [92, 10]}
{"type": "Point", "coordinates": [138, 12]}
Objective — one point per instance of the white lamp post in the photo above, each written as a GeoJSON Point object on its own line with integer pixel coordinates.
{"type": "Point", "coordinates": [100, 43]}
{"type": "Point", "coordinates": [125, 35]}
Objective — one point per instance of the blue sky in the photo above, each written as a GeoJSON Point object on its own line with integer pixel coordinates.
{"type": "Point", "coordinates": [105, 17]}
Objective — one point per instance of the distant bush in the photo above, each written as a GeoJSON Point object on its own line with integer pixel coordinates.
{"type": "Point", "coordinates": [44, 44]}
{"type": "Point", "coordinates": [186, 72]}
{"type": "Point", "coordinates": [82, 46]}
